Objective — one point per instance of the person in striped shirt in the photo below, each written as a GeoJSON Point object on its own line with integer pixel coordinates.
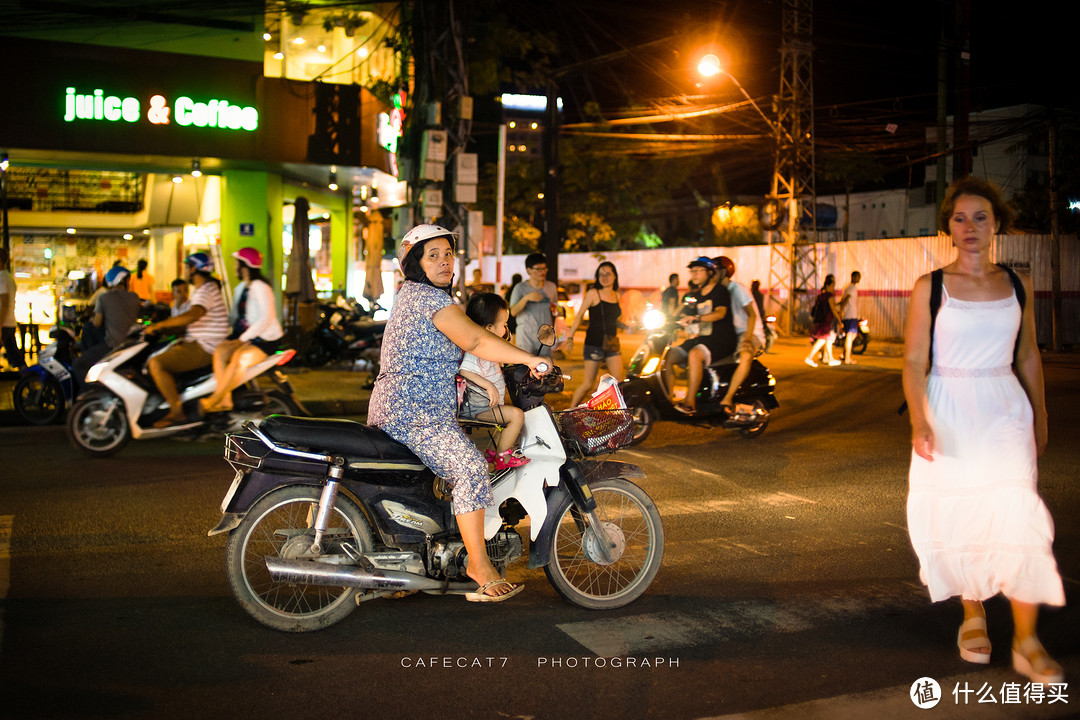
{"type": "Point", "coordinates": [207, 323]}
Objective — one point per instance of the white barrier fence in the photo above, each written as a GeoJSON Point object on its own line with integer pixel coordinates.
{"type": "Point", "coordinates": [889, 269]}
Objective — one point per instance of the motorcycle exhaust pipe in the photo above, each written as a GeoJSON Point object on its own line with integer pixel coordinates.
{"type": "Point", "coordinates": [306, 572]}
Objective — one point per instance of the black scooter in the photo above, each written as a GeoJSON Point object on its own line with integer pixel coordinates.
{"type": "Point", "coordinates": [646, 392]}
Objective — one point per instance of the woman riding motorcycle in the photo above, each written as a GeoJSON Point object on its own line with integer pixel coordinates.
{"type": "Point", "coordinates": [415, 396]}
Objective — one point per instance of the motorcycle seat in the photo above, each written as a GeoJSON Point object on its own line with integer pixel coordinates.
{"type": "Point", "coordinates": [336, 437]}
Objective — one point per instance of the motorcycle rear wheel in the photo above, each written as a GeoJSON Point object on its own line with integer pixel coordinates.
{"type": "Point", "coordinates": [93, 429]}
{"type": "Point", "coordinates": [277, 526]}
{"type": "Point", "coordinates": [39, 401]}
{"type": "Point", "coordinates": [858, 345]}
{"type": "Point", "coordinates": [578, 571]}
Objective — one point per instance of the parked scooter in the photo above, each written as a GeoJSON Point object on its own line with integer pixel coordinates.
{"type": "Point", "coordinates": [46, 389]}
{"type": "Point", "coordinates": [120, 400]}
{"type": "Point", "coordinates": [346, 333]}
{"type": "Point", "coordinates": [647, 393]}
{"type": "Point", "coordinates": [862, 339]}
{"type": "Point", "coordinates": [325, 514]}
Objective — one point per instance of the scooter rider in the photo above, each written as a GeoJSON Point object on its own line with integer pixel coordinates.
{"type": "Point", "coordinates": [207, 323]}
{"type": "Point", "coordinates": [115, 311]}
{"type": "Point", "coordinates": [749, 328]}
{"type": "Point", "coordinates": [716, 334]}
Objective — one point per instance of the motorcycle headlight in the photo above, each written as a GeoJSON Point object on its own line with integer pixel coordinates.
{"type": "Point", "coordinates": [650, 367]}
{"type": "Point", "coordinates": [654, 320]}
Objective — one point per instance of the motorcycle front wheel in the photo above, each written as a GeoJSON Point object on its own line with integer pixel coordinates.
{"type": "Point", "coordinates": [39, 401]}
{"type": "Point", "coordinates": [578, 569]}
{"type": "Point", "coordinates": [281, 525]}
{"type": "Point", "coordinates": [98, 424]}
{"type": "Point", "coordinates": [643, 417]}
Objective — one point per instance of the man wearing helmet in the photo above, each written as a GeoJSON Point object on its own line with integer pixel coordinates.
{"type": "Point", "coordinates": [207, 323]}
{"type": "Point", "coordinates": [715, 339]}
{"type": "Point", "coordinates": [115, 311]}
{"type": "Point", "coordinates": [749, 329]}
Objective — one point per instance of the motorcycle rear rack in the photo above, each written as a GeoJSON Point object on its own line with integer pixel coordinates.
{"type": "Point", "coordinates": [243, 451]}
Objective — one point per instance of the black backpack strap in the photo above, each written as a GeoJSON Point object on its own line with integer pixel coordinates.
{"type": "Point", "coordinates": [1021, 297]}
{"type": "Point", "coordinates": [937, 281]}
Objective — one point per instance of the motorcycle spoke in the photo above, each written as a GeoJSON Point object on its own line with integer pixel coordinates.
{"type": "Point", "coordinates": [289, 523]}
{"type": "Point", "coordinates": [597, 579]}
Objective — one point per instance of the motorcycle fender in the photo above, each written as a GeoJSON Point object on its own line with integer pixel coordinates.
{"type": "Point", "coordinates": [540, 546]}
{"type": "Point", "coordinates": [771, 402]}
{"type": "Point", "coordinates": [596, 470]}
{"type": "Point", "coordinates": [253, 484]}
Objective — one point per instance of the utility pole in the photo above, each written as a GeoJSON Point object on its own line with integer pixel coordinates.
{"type": "Point", "coordinates": [793, 253]}
{"type": "Point", "coordinates": [442, 183]}
{"type": "Point", "coordinates": [552, 242]}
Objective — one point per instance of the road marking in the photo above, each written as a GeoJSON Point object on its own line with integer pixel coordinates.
{"type": "Point", "coordinates": [693, 508]}
{"type": "Point", "coordinates": [783, 498]}
{"type": "Point", "coordinates": [706, 473]}
{"type": "Point", "coordinates": [738, 620]}
{"type": "Point", "coordinates": [895, 702]}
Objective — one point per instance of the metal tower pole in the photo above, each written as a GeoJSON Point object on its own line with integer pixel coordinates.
{"type": "Point", "coordinates": [793, 252]}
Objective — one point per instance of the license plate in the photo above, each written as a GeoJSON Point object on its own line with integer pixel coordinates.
{"type": "Point", "coordinates": [232, 490]}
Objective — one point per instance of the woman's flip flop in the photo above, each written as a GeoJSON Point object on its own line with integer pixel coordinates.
{"type": "Point", "coordinates": [481, 592]}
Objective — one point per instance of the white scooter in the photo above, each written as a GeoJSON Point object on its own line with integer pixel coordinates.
{"type": "Point", "coordinates": [120, 400]}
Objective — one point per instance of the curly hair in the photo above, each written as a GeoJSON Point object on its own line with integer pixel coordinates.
{"type": "Point", "coordinates": [1003, 214]}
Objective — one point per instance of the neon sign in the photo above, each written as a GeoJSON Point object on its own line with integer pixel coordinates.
{"type": "Point", "coordinates": [185, 111]}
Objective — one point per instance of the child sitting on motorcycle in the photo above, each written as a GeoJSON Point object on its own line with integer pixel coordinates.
{"type": "Point", "coordinates": [491, 312]}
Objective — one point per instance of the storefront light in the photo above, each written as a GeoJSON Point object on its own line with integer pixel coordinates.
{"type": "Point", "coordinates": [127, 236]}
{"type": "Point", "coordinates": [279, 55]}
{"type": "Point", "coordinates": [196, 169]}
{"type": "Point", "coordinates": [71, 231]}
{"type": "Point", "coordinates": [267, 36]}
{"type": "Point", "coordinates": [177, 179]}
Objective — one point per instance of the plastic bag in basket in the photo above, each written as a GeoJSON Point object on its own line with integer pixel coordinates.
{"type": "Point", "coordinates": [607, 395]}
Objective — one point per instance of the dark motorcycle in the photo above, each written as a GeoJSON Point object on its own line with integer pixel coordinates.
{"type": "Point", "coordinates": [345, 333]}
{"type": "Point", "coordinates": [646, 392]}
{"type": "Point", "coordinates": [862, 339]}
{"type": "Point", "coordinates": [46, 389]}
{"type": "Point", "coordinates": [325, 514]}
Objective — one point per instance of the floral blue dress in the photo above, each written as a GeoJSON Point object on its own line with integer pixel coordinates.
{"type": "Point", "coordinates": [415, 396]}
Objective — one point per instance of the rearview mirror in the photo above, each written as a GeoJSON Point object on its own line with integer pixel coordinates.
{"type": "Point", "coordinates": [546, 335]}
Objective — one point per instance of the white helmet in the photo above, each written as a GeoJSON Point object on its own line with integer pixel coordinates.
{"type": "Point", "coordinates": [420, 233]}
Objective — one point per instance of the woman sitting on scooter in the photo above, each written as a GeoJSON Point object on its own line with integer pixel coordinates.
{"type": "Point", "coordinates": [716, 334]}
{"type": "Point", "coordinates": [415, 396]}
{"type": "Point", "coordinates": [256, 332]}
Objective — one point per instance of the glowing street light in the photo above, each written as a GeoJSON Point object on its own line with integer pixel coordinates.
{"type": "Point", "coordinates": [709, 66]}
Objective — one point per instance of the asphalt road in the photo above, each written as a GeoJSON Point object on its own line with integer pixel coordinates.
{"type": "Point", "coordinates": [788, 588]}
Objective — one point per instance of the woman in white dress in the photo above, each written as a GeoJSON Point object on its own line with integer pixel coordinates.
{"type": "Point", "coordinates": [978, 424]}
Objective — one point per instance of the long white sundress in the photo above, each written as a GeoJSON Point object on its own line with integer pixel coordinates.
{"type": "Point", "coordinates": [977, 523]}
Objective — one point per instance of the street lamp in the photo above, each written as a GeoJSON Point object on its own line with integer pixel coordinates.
{"type": "Point", "coordinates": [710, 66]}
